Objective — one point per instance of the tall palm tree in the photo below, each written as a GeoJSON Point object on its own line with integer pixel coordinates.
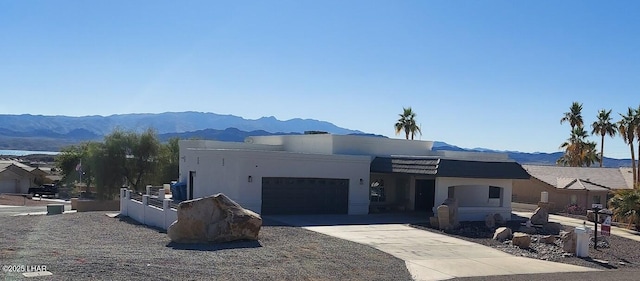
{"type": "Point", "coordinates": [574, 116]}
{"type": "Point", "coordinates": [590, 154]}
{"type": "Point", "coordinates": [627, 127]}
{"type": "Point", "coordinates": [574, 147]}
{"type": "Point", "coordinates": [603, 127]}
{"type": "Point", "coordinates": [637, 131]}
{"type": "Point", "coordinates": [407, 123]}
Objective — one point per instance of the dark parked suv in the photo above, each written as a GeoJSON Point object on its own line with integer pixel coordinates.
{"type": "Point", "coordinates": [45, 189]}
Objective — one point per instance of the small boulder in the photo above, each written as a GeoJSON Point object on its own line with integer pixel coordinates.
{"type": "Point", "coordinates": [433, 221]}
{"type": "Point", "coordinates": [540, 216]}
{"type": "Point", "coordinates": [548, 239]}
{"type": "Point", "coordinates": [552, 228]}
{"type": "Point", "coordinates": [522, 240]}
{"type": "Point", "coordinates": [502, 233]}
{"type": "Point", "coordinates": [500, 221]}
{"type": "Point", "coordinates": [214, 219]}
{"type": "Point", "coordinates": [490, 221]}
{"type": "Point", "coordinates": [528, 229]}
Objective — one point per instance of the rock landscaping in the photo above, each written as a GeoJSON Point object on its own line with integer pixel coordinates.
{"type": "Point", "coordinates": [613, 253]}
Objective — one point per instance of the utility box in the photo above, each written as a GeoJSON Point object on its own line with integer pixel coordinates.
{"type": "Point", "coordinates": [582, 241]}
{"type": "Point", "coordinates": [55, 209]}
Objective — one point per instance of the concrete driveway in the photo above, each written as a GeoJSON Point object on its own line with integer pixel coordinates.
{"type": "Point", "coordinates": [427, 255]}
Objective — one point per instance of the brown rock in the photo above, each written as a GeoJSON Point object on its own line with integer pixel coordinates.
{"type": "Point", "coordinates": [540, 216]}
{"type": "Point", "coordinates": [552, 227]}
{"type": "Point", "coordinates": [490, 221]}
{"type": "Point", "coordinates": [568, 241]}
{"type": "Point", "coordinates": [528, 229]}
{"type": "Point", "coordinates": [521, 240]}
{"type": "Point", "coordinates": [502, 233]}
{"type": "Point", "coordinates": [548, 239]}
{"type": "Point", "coordinates": [433, 221]}
{"type": "Point", "coordinates": [214, 219]}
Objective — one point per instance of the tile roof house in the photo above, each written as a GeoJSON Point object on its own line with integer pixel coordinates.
{"type": "Point", "coordinates": [15, 177]}
{"type": "Point", "coordinates": [346, 174]}
{"type": "Point", "coordinates": [581, 186]}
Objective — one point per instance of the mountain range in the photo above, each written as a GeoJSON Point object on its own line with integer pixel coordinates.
{"type": "Point", "coordinates": [50, 133]}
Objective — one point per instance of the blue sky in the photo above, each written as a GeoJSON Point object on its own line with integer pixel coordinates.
{"type": "Point", "coordinates": [493, 74]}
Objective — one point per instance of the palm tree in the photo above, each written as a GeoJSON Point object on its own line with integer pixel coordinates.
{"type": "Point", "coordinates": [407, 123]}
{"type": "Point", "coordinates": [603, 127]}
{"type": "Point", "coordinates": [637, 131]}
{"type": "Point", "coordinates": [574, 116]}
{"type": "Point", "coordinates": [627, 127]}
{"type": "Point", "coordinates": [590, 154]}
{"type": "Point", "coordinates": [625, 205]}
{"type": "Point", "coordinates": [574, 147]}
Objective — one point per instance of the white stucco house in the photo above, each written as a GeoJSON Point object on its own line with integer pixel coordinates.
{"type": "Point", "coordinates": [347, 174]}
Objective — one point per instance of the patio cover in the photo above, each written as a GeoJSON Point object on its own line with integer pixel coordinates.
{"type": "Point", "coordinates": [448, 167]}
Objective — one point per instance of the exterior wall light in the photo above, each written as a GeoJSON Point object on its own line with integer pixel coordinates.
{"type": "Point", "coordinates": [361, 181]}
{"type": "Point", "coordinates": [249, 179]}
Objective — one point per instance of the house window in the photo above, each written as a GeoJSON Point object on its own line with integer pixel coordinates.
{"type": "Point", "coordinates": [596, 199]}
{"type": "Point", "coordinates": [377, 191]}
{"type": "Point", "coordinates": [494, 192]}
{"type": "Point", "coordinates": [574, 199]}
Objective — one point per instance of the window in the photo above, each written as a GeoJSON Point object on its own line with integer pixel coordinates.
{"type": "Point", "coordinates": [377, 191]}
{"type": "Point", "coordinates": [494, 192]}
{"type": "Point", "coordinates": [596, 199]}
{"type": "Point", "coordinates": [574, 199]}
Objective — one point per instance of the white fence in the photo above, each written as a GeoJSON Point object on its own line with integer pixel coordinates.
{"type": "Point", "coordinates": [147, 214]}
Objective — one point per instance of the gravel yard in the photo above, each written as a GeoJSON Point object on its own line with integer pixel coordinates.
{"type": "Point", "coordinates": [92, 246]}
{"type": "Point", "coordinates": [620, 253]}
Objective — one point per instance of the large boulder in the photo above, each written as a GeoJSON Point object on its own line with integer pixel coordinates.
{"type": "Point", "coordinates": [552, 228]}
{"type": "Point", "coordinates": [214, 219]}
{"type": "Point", "coordinates": [500, 221]}
{"type": "Point", "coordinates": [521, 240]}
{"type": "Point", "coordinates": [502, 233]}
{"type": "Point", "coordinates": [568, 241]}
{"type": "Point", "coordinates": [490, 221]}
{"type": "Point", "coordinates": [540, 216]}
{"type": "Point", "coordinates": [447, 214]}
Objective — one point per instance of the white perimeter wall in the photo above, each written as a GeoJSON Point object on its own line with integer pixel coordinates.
{"type": "Point", "coordinates": [227, 171]}
{"type": "Point", "coordinates": [473, 197]}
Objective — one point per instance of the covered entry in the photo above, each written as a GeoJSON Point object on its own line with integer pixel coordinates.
{"type": "Point", "coordinates": [284, 196]}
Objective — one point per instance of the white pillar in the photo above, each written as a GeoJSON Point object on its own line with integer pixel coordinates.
{"type": "Point", "coordinates": [161, 194]}
{"type": "Point", "coordinates": [145, 205]}
{"type": "Point", "coordinates": [123, 202]}
{"type": "Point", "coordinates": [544, 197]}
{"type": "Point", "coordinates": [148, 189]}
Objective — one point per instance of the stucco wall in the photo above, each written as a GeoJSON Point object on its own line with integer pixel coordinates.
{"type": "Point", "coordinates": [473, 197]}
{"type": "Point", "coordinates": [228, 171]}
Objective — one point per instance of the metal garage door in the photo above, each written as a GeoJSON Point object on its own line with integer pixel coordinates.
{"type": "Point", "coordinates": [288, 196]}
{"type": "Point", "coordinates": [7, 186]}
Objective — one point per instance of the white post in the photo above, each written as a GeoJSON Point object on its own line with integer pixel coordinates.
{"type": "Point", "coordinates": [544, 197]}
{"type": "Point", "coordinates": [166, 208]}
{"type": "Point", "coordinates": [148, 189]}
{"type": "Point", "coordinates": [128, 195]}
{"type": "Point", "coordinates": [145, 205]}
{"type": "Point", "coordinates": [123, 202]}
{"type": "Point", "coordinates": [161, 194]}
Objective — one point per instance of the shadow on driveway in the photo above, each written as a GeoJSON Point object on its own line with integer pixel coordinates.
{"type": "Point", "coordinates": [328, 220]}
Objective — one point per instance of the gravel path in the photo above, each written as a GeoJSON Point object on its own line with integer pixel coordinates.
{"type": "Point", "coordinates": [92, 246]}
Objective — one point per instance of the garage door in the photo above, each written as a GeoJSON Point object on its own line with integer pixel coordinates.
{"type": "Point", "coordinates": [289, 196]}
{"type": "Point", "coordinates": [7, 186]}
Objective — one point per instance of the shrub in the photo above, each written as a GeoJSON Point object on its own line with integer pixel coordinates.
{"type": "Point", "coordinates": [574, 209]}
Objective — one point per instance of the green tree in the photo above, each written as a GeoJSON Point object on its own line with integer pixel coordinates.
{"type": "Point", "coordinates": [574, 116]}
{"type": "Point", "coordinates": [637, 132]}
{"type": "Point", "coordinates": [625, 205]}
{"type": "Point", "coordinates": [407, 123]}
{"type": "Point", "coordinates": [575, 149]}
{"type": "Point", "coordinates": [134, 156]}
{"type": "Point", "coordinates": [627, 127]}
{"type": "Point", "coordinates": [168, 164]}
{"type": "Point", "coordinates": [603, 127]}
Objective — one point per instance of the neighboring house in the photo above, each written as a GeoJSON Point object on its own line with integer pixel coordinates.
{"type": "Point", "coordinates": [346, 174]}
{"type": "Point", "coordinates": [579, 186]}
{"type": "Point", "coordinates": [15, 177]}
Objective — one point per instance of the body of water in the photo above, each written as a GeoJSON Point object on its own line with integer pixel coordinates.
{"type": "Point", "coordinates": [26, 152]}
